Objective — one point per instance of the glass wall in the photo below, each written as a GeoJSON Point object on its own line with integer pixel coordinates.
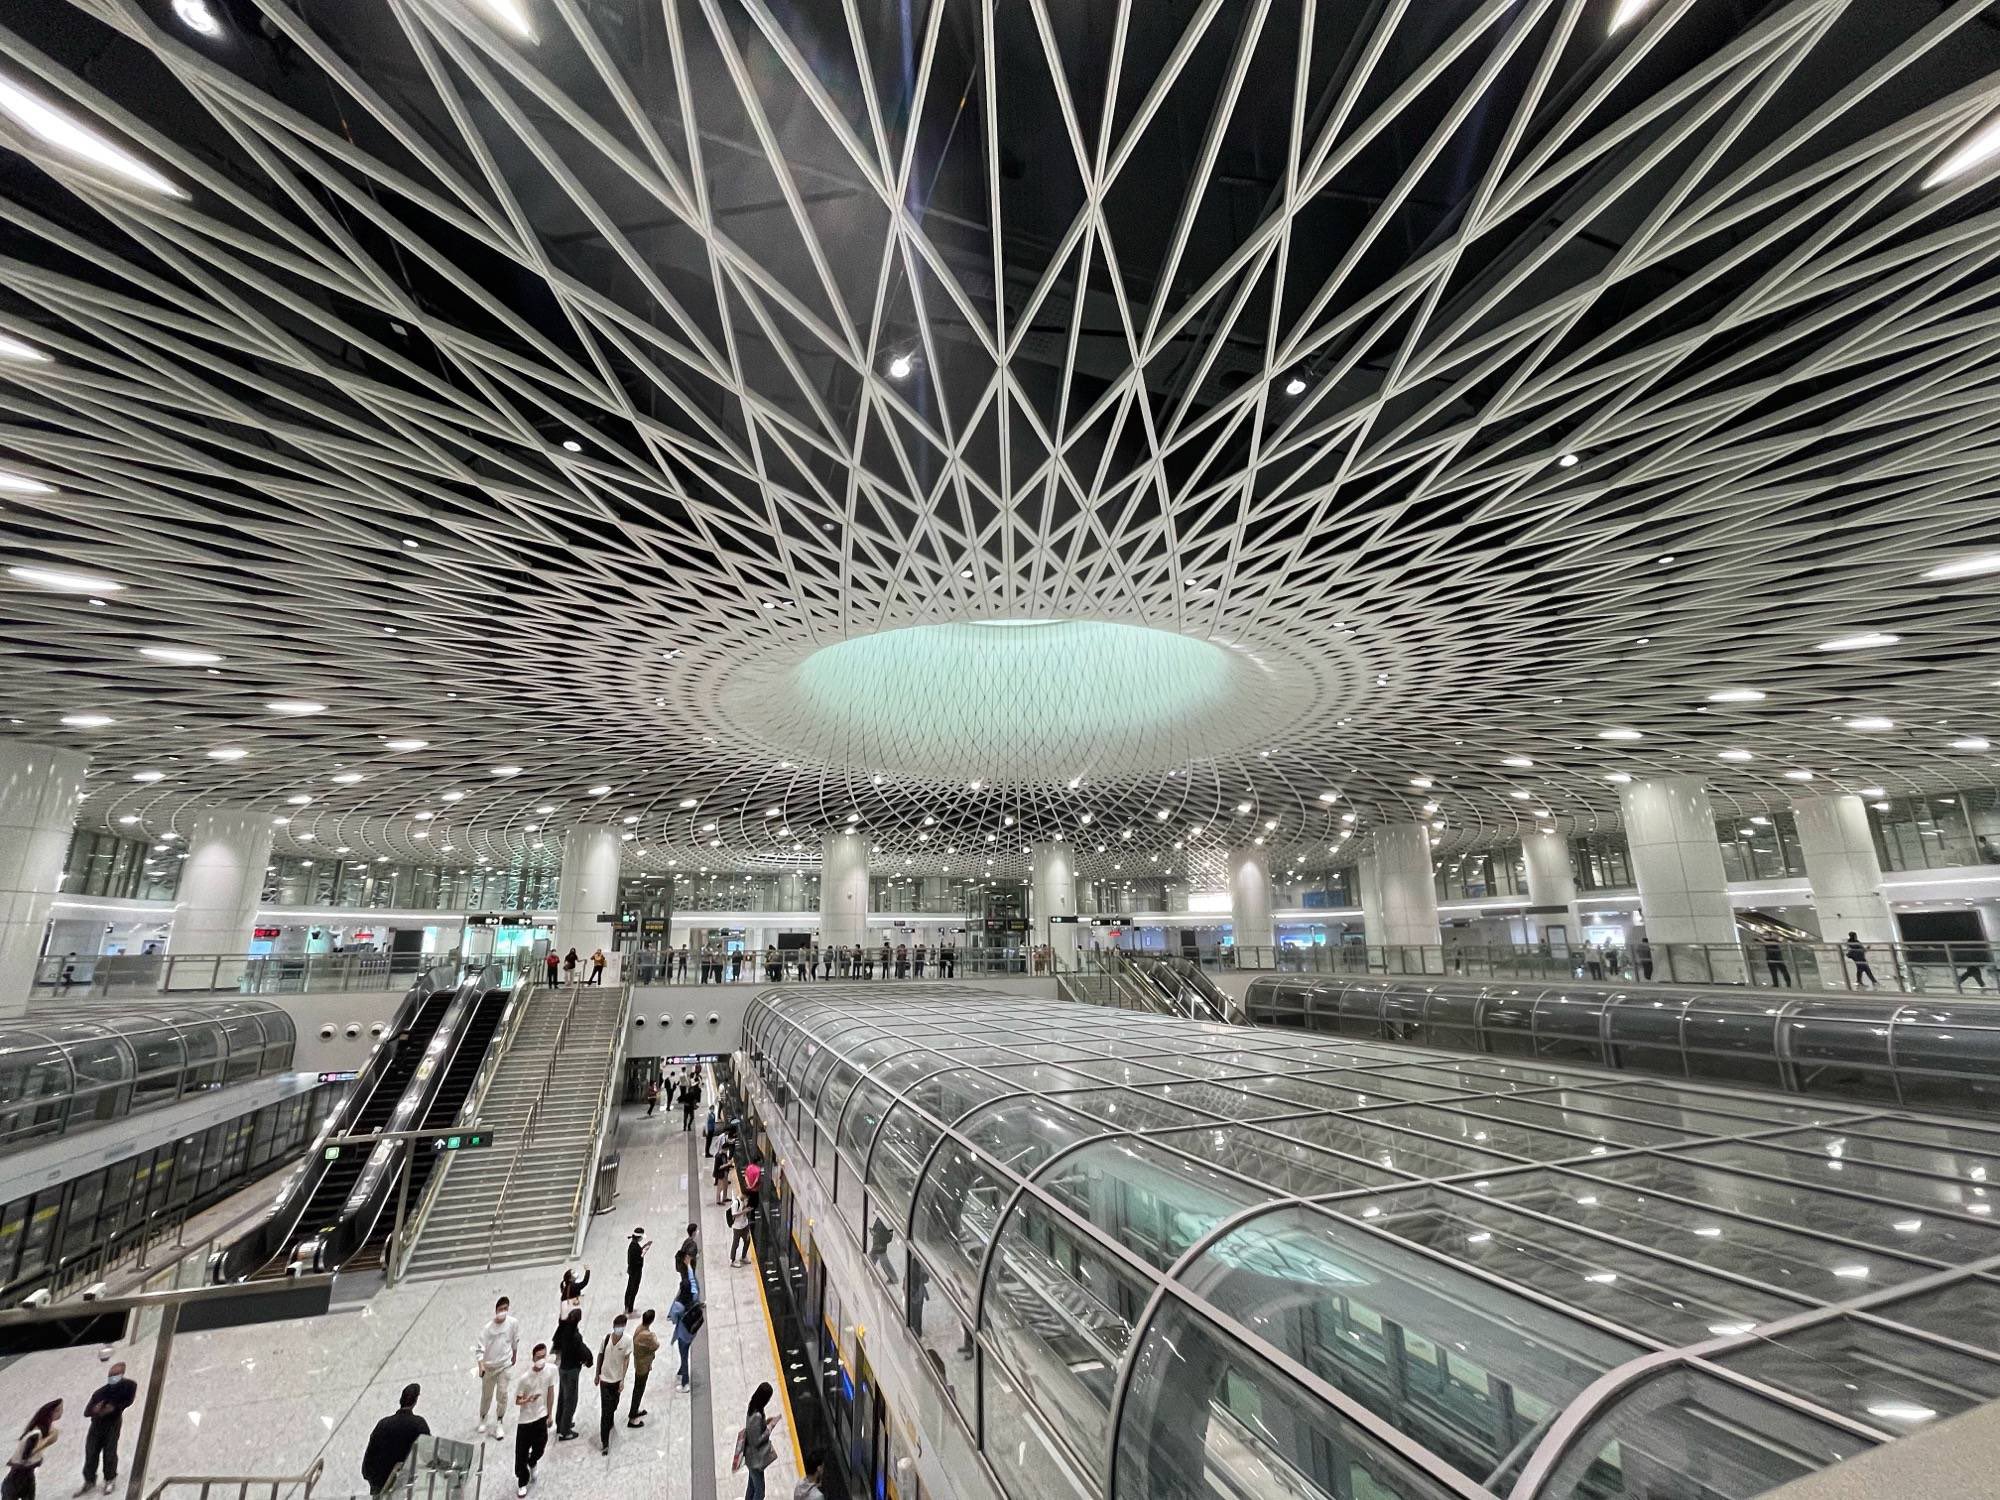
{"type": "Point", "coordinates": [43, 1231]}
{"type": "Point", "coordinates": [106, 864]}
{"type": "Point", "coordinates": [1935, 833]}
{"type": "Point", "coordinates": [362, 884]}
{"type": "Point", "coordinates": [1760, 846]}
{"type": "Point", "coordinates": [1481, 875]}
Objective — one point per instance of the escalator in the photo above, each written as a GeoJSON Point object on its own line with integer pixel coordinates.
{"type": "Point", "coordinates": [308, 1226]}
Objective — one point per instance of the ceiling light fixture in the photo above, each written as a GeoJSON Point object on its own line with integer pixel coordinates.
{"type": "Point", "coordinates": [70, 135]}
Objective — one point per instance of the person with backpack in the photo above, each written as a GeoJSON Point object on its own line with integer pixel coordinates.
{"type": "Point", "coordinates": [572, 1356]}
{"type": "Point", "coordinates": [614, 1359]}
{"type": "Point", "coordinates": [754, 1449]}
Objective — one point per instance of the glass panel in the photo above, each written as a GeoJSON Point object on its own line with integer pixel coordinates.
{"type": "Point", "coordinates": [1061, 1312]}
{"type": "Point", "coordinates": [1622, 1284]}
{"type": "Point", "coordinates": [1693, 1437]}
{"type": "Point", "coordinates": [1462, 1366]}
{"type": "Point", "coordinates": [1205, 1418]}
{"type": "Point", "coordinates": [1886, 1379]}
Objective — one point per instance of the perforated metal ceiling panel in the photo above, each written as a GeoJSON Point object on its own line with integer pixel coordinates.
{"type": "Point", "coordinates": [548, 381]}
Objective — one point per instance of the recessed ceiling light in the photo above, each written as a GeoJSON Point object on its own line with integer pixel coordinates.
{"type": "Point", "coordinates": [21, 484]}
{"type": "Point", "coordinates": [1738, 755]}
{"type": "Point", "coordinates": [1871, 723]}
{"type": "Point", "coordinates": [404, 744]}
{"type": "Point", "coordinates": [70, 135]}
{"type": "Point", "coordinates": [88, 721]}
{"type": "Point", "coordinates": [227, 752]}
{"type": "Point", "coordinates": [1737, 695]}
{"type": "Point", "coordinates": [295, 708]}
{"type": "Point", "coordinates": [1866, 641]}
{"type": "Point", "coordinates": [65, 582]}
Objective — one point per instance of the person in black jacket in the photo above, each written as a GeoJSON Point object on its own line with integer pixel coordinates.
{"type": "Point", "coordinates": [572, 1356]}
{"type": "Point", "coordinates": [391, 1441]}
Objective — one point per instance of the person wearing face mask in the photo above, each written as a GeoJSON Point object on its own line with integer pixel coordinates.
{"type": "Point", "coordinates": [614, 1358]}
{"type": "Point", "coordinates": [534, 1399]}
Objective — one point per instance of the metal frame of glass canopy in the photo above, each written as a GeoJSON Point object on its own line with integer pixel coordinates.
{"type": "Point", "coordinates": [1208, 1260]}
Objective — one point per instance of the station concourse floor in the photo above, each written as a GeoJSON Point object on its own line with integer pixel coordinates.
{"type": "Point", "coordinates": [267, 1400]}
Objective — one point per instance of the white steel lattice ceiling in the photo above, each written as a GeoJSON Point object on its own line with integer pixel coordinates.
{"type": "Point", "coordinates": [547, 381]}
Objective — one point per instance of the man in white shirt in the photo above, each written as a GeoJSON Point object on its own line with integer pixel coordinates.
{"type": "Point", "coordinates": [498, 1347]}
{"type": "Point", "coordinates": [612, 1362]}
{"type": "Point", "coordinates": [533, 1402]}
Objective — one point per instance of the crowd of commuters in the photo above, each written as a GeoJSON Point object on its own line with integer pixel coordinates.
{"type": "Point", "coordinates": [715, 964]}
{"type": "Point", "coordinates": [104, 1416]}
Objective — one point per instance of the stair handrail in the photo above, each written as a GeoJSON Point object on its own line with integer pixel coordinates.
{"type": "Point", "coordinates": [606, 1104]}
{"type": "Point", "coordinates": [529, 1124]}
{"type": "Point", "coordinates": [244, 1482]}
{"type": "Point", "coordinates": [468, 1114]}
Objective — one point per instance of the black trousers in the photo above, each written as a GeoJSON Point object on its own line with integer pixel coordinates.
{"type": "Point", "coordinates": [639, 1379]}
{"type": "Point", "coordinates": [100, 1442]}
{"type": "Point", "coordinates": [607, 1400]}
{"type": "Point", "coordinates": [566, 1378]}
{"type": "Point", "coordinates": [531, 1440]}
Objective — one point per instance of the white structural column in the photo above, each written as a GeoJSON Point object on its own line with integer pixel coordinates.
{"type": "Point", "coordinates": [1052, 893]}
{"type": "Point", "coordinates": [1399, 905]}
{"type": "Point", "coordinates": [222, 882]}
{"type": "Point", "coordinates": [843, 890]}
{"type": "Point", "coordinates": [1670, 830]}
{"type": "Point", "coordinates": [1846, 876]}
{"type": "Point", "coordinates": [1551, 881]}
{"type": "Point", "coordinates": [1250, 921]}
{"type": "Point", "coordinates": [588, 889]}
{"type": "Point", "coordinates": [39, 786]}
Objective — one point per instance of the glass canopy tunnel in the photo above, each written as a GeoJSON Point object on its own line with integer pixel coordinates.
{"type": "Point", "coordinates": [63, 1067]}
{"type": "Point", "coordinates": [1888, 1049]}
{"type": "Point", "coordinates": [1149, 1257]}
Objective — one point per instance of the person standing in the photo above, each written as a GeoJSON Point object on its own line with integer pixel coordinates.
{"type": "Point", "coordinates": [572, 1357]}
{"type": "Point", "coordinates": [614, 1359]}
{"type": "Point", "coordinates": [754, 1449]}
{"type": "Point", "coordinates": [635, 1266]}
{"type": "Point", "coordinates": [25, 1457]}
{"type": "Point", "coordinates": [532, 1404]}
{"type": "Point", "coordinates": [645, 1344]}
{"type": "Point", "coordinates": [391, 1441]}
{"type": "Point", "coordinates": [498, 1346]}
{"type": "Point", "coordinates": [106, 1413]}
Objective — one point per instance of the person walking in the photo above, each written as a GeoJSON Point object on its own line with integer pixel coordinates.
{"type": "Point", "coordinates": [645, 1344]}
{"type": "Point", "coordinates": [533, 1403]}
{"type": "Point", "coordinates": [614, 1359]}
{"type": "Point", "coordinates": [1857, 954]}
{"type": "Point", "coordinates": [105, 1411]}
{"type": "Point", "coordinates": [687, 1315]}
{"type": "Point", "coordinates": [390, 1442]}
{"type": "Point", "coordinates": [497, 1348]}
{"type": "Point", "coordinates": [25, 1457]}
{"type": "Point", "coordinates": [572, 1358]}
{"type": "Point", "coordinates": [635, 1266]}
{"type": "Point", "coordinates": [754, 1449]}
{"type": "Point", "coordinates": [552, 965]}
{"type": "Point", "coordinates": [596, 966]}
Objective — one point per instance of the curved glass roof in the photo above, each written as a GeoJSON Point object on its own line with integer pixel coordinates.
{"type": "Point", "coordinates": [1160, 1258]}
{"type": "Point", "coordinates": [66, 1066]}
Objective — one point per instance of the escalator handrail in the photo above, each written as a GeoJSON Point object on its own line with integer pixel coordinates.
{"type": "Point", "coordinates": [371, 1195]}
{"type": "Point", "coordinates": [249, 1254]}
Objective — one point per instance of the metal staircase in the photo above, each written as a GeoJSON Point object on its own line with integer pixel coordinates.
{"type": "Point", "coordinates": [521, 1202]}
